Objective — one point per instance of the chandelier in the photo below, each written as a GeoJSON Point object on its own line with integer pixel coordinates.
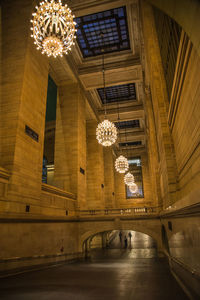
{"type": "Point", "coordinates": [121, 164]}
{"type": "Point", "coordinates": [53, 28]}
{"type": "Point", "coordinates": [106, 133]}
{"type": "Point", "coordinates": [133, 188]}
{"type": "Point", "coordinates": [129, 179]}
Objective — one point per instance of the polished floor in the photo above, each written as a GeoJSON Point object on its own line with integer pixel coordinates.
{"type": "Point", "coordinates": [108, 274]}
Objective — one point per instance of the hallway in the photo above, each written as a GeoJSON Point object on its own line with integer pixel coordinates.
{"type": "Point", "coordinates": [108, 274]}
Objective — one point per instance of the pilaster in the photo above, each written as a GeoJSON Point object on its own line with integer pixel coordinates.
{"type": "Point", "coordinates": [95, 169]}
{"type": "Point", "coordinates": [70, 142]}
{"type": "Point", "coordinates": [23, 102]}
{"type": "Point", "coordinates": [168, 170]}
{"type": "Point", "coordinates": [109, 177]}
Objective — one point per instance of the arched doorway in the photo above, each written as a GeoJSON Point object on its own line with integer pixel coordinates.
{"type": "Point", "coordinates": [119, 244]}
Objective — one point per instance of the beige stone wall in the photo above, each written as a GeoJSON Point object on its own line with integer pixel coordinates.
{"type": "Point", "coordinates": [186, 133]}
{"type": "Point", "coordinates": [160, 103]}
{"type": "Point", "coordinates": [109, 170]}
{"type": "Point", "coordinates": [70, 142]}
{"type": "Point", "coordinates": [37, 243]}
{"type": "Point", "coordinates": [182, 237]}
{"type": "Point", "coordinates": [23, 102]}
{"type": "Point", "coordinates": [95, 169]}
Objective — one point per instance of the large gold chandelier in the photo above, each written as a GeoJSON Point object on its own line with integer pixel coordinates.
{"type": "Point", "coordinates": [129, 179]}
{"type": "Point", "coordinates": [133, 188]}
{"type": "Point", "coordinates": [106, 132]}
{"type": "Point", "coordinates": [53, 28]}
{"type": "Point", "coordinates": [121, 164]}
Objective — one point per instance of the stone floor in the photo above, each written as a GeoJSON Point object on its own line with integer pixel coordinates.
{"type": "Point", "coordinates": [108, 274]}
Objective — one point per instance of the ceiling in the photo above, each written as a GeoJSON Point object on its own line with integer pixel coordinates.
{"type": "Point", "coordinates": [109, 29]}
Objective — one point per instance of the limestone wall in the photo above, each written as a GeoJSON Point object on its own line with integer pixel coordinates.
{"type": "Point", "coordinates": [185, 127]}
{"type": "Point", "coordinates": [28, 243]}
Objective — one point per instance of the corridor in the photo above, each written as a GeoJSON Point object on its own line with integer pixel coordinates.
{"type": "Point", "coordinates": [108, 274]}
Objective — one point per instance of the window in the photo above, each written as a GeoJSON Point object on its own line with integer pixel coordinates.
{"type": "Point", "coordinates": [112, 23]}
{"type": "Point", "coordinates": [135, 168]}
{"type": "Point", "coordinates": [118, 93]}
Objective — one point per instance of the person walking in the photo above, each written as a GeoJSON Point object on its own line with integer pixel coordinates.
{"type": "Point", "coordinates": [125, 242]}
{"type": "Point", "coordinates": [130, 236]}
{"type": "Point", "coordinates": [120, 236]}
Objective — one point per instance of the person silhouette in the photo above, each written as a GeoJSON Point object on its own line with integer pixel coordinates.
{"type": "Point", "coordinates": [125, 242]}
{"type": "Point", "coordinates": [130, 236]}
{"type": "Point", "coordinates": [120, 236]}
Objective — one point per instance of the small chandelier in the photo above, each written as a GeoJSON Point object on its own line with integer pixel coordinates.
{"type": "Point", "coordinates": [106, 133]}
{"type": "Point", "coordinates": [53, 28]}
{"type": "Point", "coordinates": [121, 164]}
{"type": "Point", "coordinates": [133, 188]}
{"type": "Point", "coordinates": [129, 179]}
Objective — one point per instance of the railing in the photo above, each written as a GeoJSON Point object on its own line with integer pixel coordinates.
{"type": "Point", "coordinates": [121, 212]}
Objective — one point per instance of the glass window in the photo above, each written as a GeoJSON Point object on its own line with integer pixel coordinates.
{"type": "Point", "coordinates": [135, 168]}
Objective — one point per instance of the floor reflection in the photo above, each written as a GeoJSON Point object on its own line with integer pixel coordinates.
{"type": "Point", "coordinates": [111, 274]}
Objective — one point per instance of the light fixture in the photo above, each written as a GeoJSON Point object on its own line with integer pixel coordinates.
{"type": "Point", "coordinates": [129, 179]}
{"type": "Point", "coordinates": [53, 28]}
{"type": "Point", "coordinates": [106, 132]}
{"type": "Point", "coordinates": [133, 188]}
{"type": "Point", "coordinates": [121, 164]}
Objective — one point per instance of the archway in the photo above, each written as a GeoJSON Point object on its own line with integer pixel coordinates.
{"type": "Point", "coordinates": [186, 14]}
{"type": "Point", "coordinates": [138, 244]}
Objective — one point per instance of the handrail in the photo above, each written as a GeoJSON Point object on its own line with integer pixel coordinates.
{"type": "Point", "coordinates": [54, 190]}
{"type": "Point", "coordinates": [120, 211]}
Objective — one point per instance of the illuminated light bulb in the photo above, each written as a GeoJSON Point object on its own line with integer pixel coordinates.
{"type": "Point", "coordinates": [121, 164]}
{"type": "Point", "coordinates": [133, 188]}
{"type": "Point", "coordinates": [54, 28]}
{"type": "Point", "coordinates": [129, 179]}
{"type": "Point", "coordinates": [106, 133]}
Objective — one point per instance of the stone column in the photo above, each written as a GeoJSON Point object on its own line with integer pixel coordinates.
{"type": "Point", "coordinates": [120, 190]}
{"type": "Point", "coordinates": [23, 103]}
{"type": "Point", "coordinates": [95, 169]}
{"type": "Point", "coordinates": [70, 142]}
{"type": "Point", "coordinates": [109, 178]}
{"type": "Point", "coordinates": [168, 170]}
{"type": "Point", "coordinates": [104, 239]}
{"type": "Point", "coordinates": [153, 155]}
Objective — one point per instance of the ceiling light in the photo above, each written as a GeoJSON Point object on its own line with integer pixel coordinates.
{"type": "Point", "coordinates": [133, 188]}
{"type": "Point", "coordinates": [106, 133]}
{"type": "Point", "coordinates": [129, 179]}
{"type": "Point", "coordinates": [53, 28]}
{"type": "Point", "coordinates": [121, 164]}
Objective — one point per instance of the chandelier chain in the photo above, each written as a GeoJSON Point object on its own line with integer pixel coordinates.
{"type": "Point", "coordinates": [104, 76]}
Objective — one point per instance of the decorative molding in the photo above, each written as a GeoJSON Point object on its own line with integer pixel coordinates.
{"type": "Point", "coordinates": [15, 259]}
{"type": "Point", "coordinates": [4, 175]}
{"type": "Point", "coordinates": [91, 68]}
{"type": "Point", "coordinates": [188, 211]}
{"type": "Point", "coordinates": [56, 191]}
{"type": "Point", "coordinates": [183, 58]}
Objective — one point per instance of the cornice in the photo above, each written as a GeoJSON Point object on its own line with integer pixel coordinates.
{"type": "Point", "coordinates": [188, 211]}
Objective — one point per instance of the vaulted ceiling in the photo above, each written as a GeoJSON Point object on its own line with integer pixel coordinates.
{"type": "Point", "coordinates": [111, 28]}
